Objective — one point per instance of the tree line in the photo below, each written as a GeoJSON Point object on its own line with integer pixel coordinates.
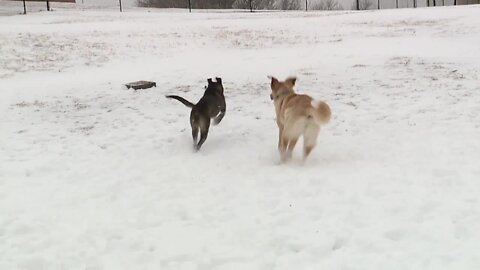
{"type": "Point", "coordinates": [284, 4]}
{"type": "Point", "coordinates": [241, 4]}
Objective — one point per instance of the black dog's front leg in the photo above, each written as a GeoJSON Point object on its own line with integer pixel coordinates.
{"type": "Point", "coordinates": [219, 117]}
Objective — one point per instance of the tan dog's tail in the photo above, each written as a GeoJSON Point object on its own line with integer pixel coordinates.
{"type": "Point", "coordinates": [320, 111]}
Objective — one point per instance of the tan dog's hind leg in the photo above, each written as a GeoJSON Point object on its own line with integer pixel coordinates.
{"type": "Point", "coordinates": [283, 148]}
{"type": "Point", "coordinates": [292, 130]}
{"type": "Point", "coordinates": [306, 151]}
{"type": "Point", "coordinates": [310, 139]}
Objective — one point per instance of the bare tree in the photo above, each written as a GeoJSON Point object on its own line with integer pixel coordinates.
{"type": "Point", "coordinates": [163, 3]}
{"type": "Point", "coordinates": [200, 4]}
{"type": "Point", "coordinates": [288, 4]}
{"type": "Point", "coordinates": [327, 5]}
{"type": "Point", "coordinates": [362, 4]}
{"type": "Point", "coordinates": [256, 4]}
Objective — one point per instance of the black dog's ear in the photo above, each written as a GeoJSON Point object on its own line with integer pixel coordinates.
{"type": "Point", "coordinates": [219, 80]}
{"type": "Point", "coordinates": [209, 80]}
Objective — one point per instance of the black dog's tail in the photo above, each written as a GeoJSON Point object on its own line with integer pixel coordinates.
{"type": "Point", "coordinates": [184, 101]}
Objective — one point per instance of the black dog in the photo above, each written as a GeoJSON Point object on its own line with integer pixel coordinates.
{"type": "Point", "coordinates": [211, 105]}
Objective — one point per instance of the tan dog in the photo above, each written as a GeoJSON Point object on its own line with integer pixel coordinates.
{"type": "Point", "coordinates": [297, 115]}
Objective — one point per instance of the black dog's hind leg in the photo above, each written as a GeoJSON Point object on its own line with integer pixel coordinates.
{"type": "Point", "coordinates": [195, 131]}
{"type": "Point", "coordinates": [195, 124]}
{"type": "Point", "coordinates": [204, 126]}
{"type": "Point", "coordinates": [219, 117]}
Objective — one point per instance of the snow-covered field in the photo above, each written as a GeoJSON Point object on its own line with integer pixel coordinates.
{"type": "Point", "coordinates": [95, 176]}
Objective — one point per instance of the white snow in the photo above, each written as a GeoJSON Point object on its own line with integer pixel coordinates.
{"type": "Point", "coordinates": [95, 176]}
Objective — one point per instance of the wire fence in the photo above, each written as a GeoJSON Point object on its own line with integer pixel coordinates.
{"type": "Point", "coordinates": [246, 5]}
{"type": "Point", "coordinates": [254, 5]}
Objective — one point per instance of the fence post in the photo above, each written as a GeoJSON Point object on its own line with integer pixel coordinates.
{"type": "Point", "coordinates": [251, 6]}
{"type": "Point", "coordinates": [190, 6]}
{"type": "Point", "coordinates": [24, 8]}
{"type": "Point", "coordinates": [378, 4]}
{"type": "Point", "coordinates": [120, 1]}
{"type": "Point", "coordinates": [306, 5]}
{"type": "Point", "coordinates": [48, 5]}
{"type": "Point", "coordinates": [358, 4]}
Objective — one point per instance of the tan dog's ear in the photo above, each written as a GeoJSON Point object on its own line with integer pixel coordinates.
{"type": "Point", "coordinates": [291, 80]}
{"type": "Point", "coordinates": [275, 84]}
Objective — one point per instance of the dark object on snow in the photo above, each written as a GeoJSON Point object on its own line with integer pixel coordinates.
{"type": "Point", "coordinates": [141, 85]}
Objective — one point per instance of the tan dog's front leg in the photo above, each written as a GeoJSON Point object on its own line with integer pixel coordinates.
{"type": "Point", "coordinates": [282, 142]}
{"type": "Point", "coordinates": [290, 147]}
{"type": "Point", "coordinates": [283, 148]}
{"type": "Point", "coordinates": [280, 133]}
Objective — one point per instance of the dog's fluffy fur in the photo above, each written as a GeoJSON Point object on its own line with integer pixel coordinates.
{"type": "Point", "coordinates": [296, 115]}
{"type": "Point", "coordinates": [211, 105]}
